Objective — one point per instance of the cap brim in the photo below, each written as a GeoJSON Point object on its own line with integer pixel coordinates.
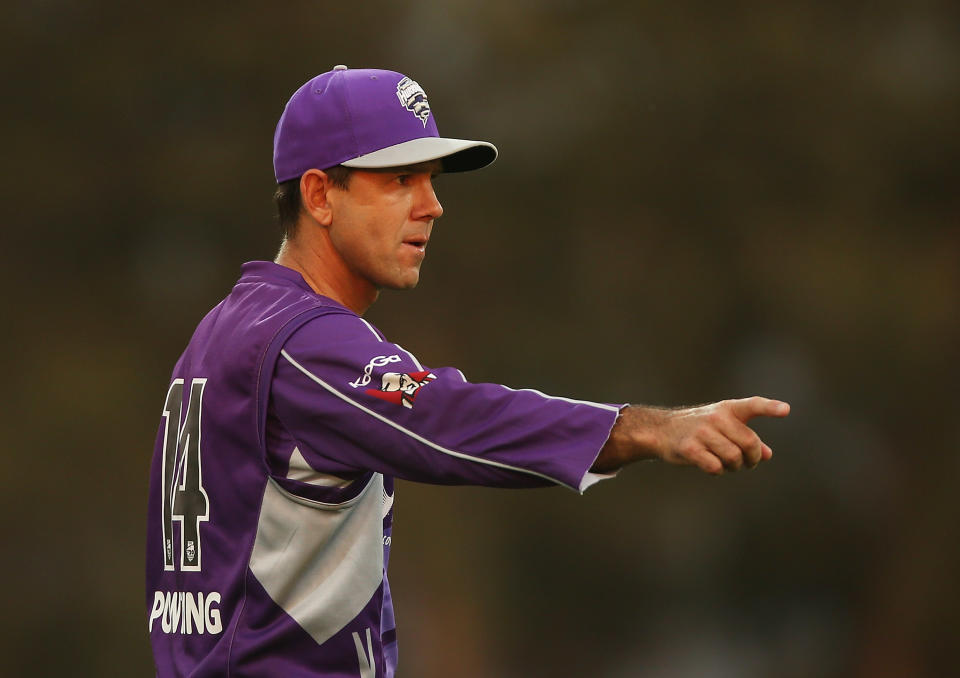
{"type": "Point", "coordinates": [457, 155]}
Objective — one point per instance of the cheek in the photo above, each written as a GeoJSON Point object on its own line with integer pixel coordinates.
{"type": "Point", "coordinates": [365, 227]}
{"type": "Point", "coordinates": [352, 239]}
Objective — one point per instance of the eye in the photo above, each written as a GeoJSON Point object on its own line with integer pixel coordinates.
{"type": "Point", "coordinates": [403, 179]}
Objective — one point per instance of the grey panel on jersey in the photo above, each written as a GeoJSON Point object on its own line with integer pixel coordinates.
{"type": "Point", "coordinates": [321, 563]}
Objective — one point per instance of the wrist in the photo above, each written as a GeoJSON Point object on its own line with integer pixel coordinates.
{"type": "Point", "coordinates": [634, 437]}
{"type": "Point", "coordinates": [641, 431]}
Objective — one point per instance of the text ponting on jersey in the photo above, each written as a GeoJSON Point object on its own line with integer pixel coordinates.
{"type": "Point", "coordinates": [186, 612]}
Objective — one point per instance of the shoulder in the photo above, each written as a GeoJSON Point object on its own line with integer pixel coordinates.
{"type": "Point", "coordinates": [334, 326]}
{"type": "Point", "coordinates": [340, 350]}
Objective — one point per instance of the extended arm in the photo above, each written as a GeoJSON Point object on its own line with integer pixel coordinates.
{"type": "Point", "coordinates": [714, 437]}
{"type": "Point", "coordinates": [350, 401]}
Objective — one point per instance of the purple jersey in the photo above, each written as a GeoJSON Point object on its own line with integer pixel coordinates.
{"type": "Point", "coordinates": [271, 496]}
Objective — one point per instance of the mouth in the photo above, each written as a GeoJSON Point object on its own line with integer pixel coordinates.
{"type": "Point", "coordinates": [419, 243]}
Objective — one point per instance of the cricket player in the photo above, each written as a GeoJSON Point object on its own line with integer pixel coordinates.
{"type": "Point", "coordinates": [288, 416]}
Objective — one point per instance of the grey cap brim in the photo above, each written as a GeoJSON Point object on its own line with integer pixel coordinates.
{"type": "Point", "coordinates": [457, 155]}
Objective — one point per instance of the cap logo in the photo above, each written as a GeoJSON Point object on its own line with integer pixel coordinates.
{"type": "Point", "coordinates": [413, 98]}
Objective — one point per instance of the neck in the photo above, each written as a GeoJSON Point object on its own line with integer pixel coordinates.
{"type": "Point", "coordinates": [326, 273]}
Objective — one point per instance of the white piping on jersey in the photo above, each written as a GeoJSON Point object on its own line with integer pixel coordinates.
{"type": "Point", "coordinates": [417, 437]}
{"type": "Point", "coordinates": [529, 390]}
{"type": "Point", "coordinates": [462, 375]}
{"type": "Point", "coordinates": [600, 406]}
{"type": "Point", "coordinates": [380, 339]}
{"type": "Point", "coordinates": [370, 327]}
{"type": "Point", "coordinates": [412, 357]}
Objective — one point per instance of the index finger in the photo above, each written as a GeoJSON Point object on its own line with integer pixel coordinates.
{"type": "Point", "coordinates": [746, 409]}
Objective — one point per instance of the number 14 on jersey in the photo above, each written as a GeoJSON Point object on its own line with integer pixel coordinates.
{"type": "Point", "coordinates": [184, 499]}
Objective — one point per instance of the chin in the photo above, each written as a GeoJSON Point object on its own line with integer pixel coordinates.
{"type": "Point", "coordinates": [407, 283]}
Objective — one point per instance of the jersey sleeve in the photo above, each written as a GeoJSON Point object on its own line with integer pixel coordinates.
{"type": "Point", "coordinates": [353, 402]}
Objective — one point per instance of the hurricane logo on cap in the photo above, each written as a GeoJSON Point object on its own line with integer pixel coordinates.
{"type": "Point", "coordinates": [413, 98]}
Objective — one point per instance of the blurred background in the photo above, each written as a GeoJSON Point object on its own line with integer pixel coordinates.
{"type": "Point", "coordinates": [694, 201]}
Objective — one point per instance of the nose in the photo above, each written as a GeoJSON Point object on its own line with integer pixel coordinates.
{"type": "Point", "coordinates": [427, 206]}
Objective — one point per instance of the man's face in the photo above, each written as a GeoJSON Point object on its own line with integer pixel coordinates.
{"type": "Point", "coordinates": [382, 222]}
{"type": "Point", "coordinates": [394, 381]}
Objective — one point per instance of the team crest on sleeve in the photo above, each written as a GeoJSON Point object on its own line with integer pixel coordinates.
{"type": "Point", "coordinates": [401, 389]}
{"type": "Point", "coordinates": [413, 98]}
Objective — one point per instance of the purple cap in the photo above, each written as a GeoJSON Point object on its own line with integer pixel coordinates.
{"type": "Point", "coordinates": [366, 118]}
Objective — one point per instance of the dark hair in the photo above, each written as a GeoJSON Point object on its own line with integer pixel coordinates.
{"type": "Point", "coordinates": [289, 202]}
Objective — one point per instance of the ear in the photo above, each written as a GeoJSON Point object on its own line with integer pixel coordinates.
{"type": "Point", "coordinates": [314, 188]}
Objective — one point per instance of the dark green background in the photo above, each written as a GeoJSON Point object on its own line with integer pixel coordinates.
{"type": "Point", "coordinates": [694, 201]}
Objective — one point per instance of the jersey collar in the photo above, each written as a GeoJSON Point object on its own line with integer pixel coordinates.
{"type": "Point", "coordinates": [269, 270]}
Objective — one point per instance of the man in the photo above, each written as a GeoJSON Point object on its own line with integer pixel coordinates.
{"type": "Point", "coordinates": [288, 415]}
